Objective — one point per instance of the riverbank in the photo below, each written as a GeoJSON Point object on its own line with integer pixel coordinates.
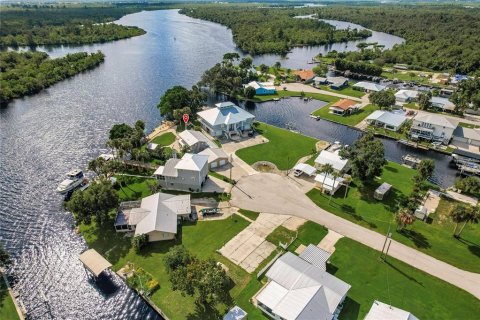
{"type": "Point", "coordinates": [9, 308]}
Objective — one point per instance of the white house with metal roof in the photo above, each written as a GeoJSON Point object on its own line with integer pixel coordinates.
{"type": "Point", "coordinates": [186, 174]}
{"type": "Point", "coordinates": [405, 96]}
{"type": "Point", "coordinates": [466, 138]}
{"type": "Point", "coordinates": [333, 158]}
{"type": "Point", "coordinates": [386, 119]}
{"type": "Point", "coordinates": [432, 127]}
{"type": "Point", "coordinates": [442, 104]}
{"type": "Point", "coordinates": [369, 86]}
{"type": "Point", "coordinates": [226, 120]}
{"type": "Point", "coordinates": [328, 182]}
{"type": "Point", "coordinates": [383, 311]}
{"type": "Point", "coordinates": [297, 289]}
{"type": "Point", "coordinates": [194, 141]}
{"type": "Point", "coordinates": [156, 216]}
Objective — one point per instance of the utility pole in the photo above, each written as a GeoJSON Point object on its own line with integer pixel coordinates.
{"type": "Point", "coordinates": [231, 166]}
{"type": "Point", "coordinates": [387, 237]}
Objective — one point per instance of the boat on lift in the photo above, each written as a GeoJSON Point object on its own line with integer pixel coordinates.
{"type": "Point", "coordinates": [74, 179]}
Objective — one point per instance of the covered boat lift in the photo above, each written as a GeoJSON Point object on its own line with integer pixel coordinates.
{"type": "Point", "coordinates": [94, 262]}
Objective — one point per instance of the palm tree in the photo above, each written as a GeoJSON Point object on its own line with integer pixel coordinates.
{"type": "Point", "coordinates": [347, 179]}
{"type": "Point", "coordinates": [459, 214]}
{"type": "Point", "coordinates": [404, 218]}
{"type": "Point", "coordinates": [326, 169]}
{"type": "Point", "coordinates": [335, 175]}
{"type": "Point", "coordinates": [277, 65]}
{"type": "Point", "coordinates": [473, 216]}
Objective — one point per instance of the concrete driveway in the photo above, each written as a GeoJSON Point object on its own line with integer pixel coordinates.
{"type": "Point", "coordinates": [271, 193]}
{"type": "Point", "coordinates": [249, 248]}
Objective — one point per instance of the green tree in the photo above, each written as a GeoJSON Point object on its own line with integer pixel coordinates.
{"type": "Point", "coordinates": [424, 171]}
{"type": "Point", "coordinates": [120, 131]}
{"type": "Point", "coordinates": [263, 68]}
{"type": "Point", "coordinates": [5, 260]}
{"type": "Point", "coordinates": [139, 242]}
{"type": "Point", "coordinates": [179, 97]}
{"type": "Point", "coordinates": [423, 100]}
{"type": "Point", "coordinates": [467, 95]}
{"type": "Point", "coordinates": [472, 216]}
{"type": "Point", "coordinates": [277, 65]}
{"type": "Point", "coordinates": [327, 169]}
{"type": "Point", "coordinates": [320, 69]}
{"type": "Point", "coordinates": [367, 157]}
{"type": "Point", "coordinates": [246, 63]}
{"type": "Point", "coordinates": [249, 92]}
{"type": "Point", "coordinates": [383, 99]}
{"type": "Point", "coordinates": [176, 257]}
{"type": "Point", "coordinates": [230, 56]}
{"type": "Point", "coordinates": [97, 201]}
{"type": "Point", "coordinates": [404, 218]}
{"type": "Point", "coordinates": [459, 214]}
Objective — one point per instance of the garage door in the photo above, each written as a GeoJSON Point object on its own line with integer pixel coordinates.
{"type": "Point", "coordinates": [213, 165]}
{"type": "Point", "coordinates": [223, 162]}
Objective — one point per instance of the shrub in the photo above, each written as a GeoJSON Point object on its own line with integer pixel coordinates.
{"type": "Point", "coordinates": [139, 242]}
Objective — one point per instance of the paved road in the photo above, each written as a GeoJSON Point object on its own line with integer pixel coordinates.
{"type": "Point", "coordinates": [271, 193]}
{"type": "Point", "coordinates": [299, 87]}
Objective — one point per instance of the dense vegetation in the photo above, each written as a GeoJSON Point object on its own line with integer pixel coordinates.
{"type": "Point", "coordinates": [267, 30]}
{"type": "Point", "coordinates": [50, 24]}
{"type": "Point", "coordinates": [24, 73]}
{"type": "Point", "coordinates": [437, 37]}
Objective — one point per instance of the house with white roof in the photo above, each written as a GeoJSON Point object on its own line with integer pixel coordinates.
{"type": "Point", "coordinates": [368, 86]}
{"type": "Point", "coordinates": [328, 183]}
{"type": "Point", "coordinates": [262, 88]}
{"type": "Point", "coordinates": [406, 96]}
{"type": "Point", "coordinates": [442, 103]}
{"type": "Point", "coordinates": [157, 216]}
{"type": "Point", "coordinates": [226, 120]}
{"type": "Point", "coordinates": [383, 311]}
{"type": "Point", "coordinates": [299, 290]}
{"type": "Point", "coordinates": [216, 157]}
{"type": "Point", "coordinates": [386, 119]}
{"type": "Point", "coordinates": [333, 158]}
{"type": "Point", "coordinates": [432, 127]}
{"type": "Point", "coordinates": [194, 141]}
{"type": "Point", "coordinates": [186, 174]}
{"type": "Point", "coordinates": [466, 138]}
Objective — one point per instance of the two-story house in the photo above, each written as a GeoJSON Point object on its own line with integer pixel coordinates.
{"type": "Point", "coordinates": [432, 127]}
{"type": "Point", "coordinates": [226, 120]}
{"type": "Point", "coordinates": [186, 174]}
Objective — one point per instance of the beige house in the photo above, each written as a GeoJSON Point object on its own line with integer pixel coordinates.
{"type": "Point", "coordinates": [216, 157]}
{"type": "Point", "coordinates": [157, 216]}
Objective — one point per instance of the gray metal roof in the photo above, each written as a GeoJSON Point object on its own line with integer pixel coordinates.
{"type": "Point", "coordinates": [316, 256]}
{"type": "Point", "coordinates": [466, 133]}
{"type": "Point", "coordinates": [387, 118]}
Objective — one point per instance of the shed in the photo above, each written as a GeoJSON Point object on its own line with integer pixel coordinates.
{"type": "Point", "coordinates": [94, 262]}
{"type": "Point", "coordinates": [316, 256]}
{"type": "Point", "coordinates": [421, 213]}
{"type": "Point", "coordinates": [236, 313]}
{"type": "Point", "coordinates": [382, 191]}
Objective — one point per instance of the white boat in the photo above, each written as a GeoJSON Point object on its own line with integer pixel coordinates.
{"type": "Point", "coordinates": [74, 179]}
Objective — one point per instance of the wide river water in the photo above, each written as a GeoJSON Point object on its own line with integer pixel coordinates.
{"type": "Point", "coordinates": [43, 136]}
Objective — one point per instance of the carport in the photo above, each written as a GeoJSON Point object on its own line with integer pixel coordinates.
{"type": "Point", "coordinates": [305, 168]}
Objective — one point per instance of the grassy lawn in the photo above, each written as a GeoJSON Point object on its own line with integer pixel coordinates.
{"type": "Point", "coordinates": [405, 76]}
{"type": "Point", "coordinates": [468, 125]}
{"type": "Point", "coordinates": [165, 139]}
{"type": "Point", "coordinates": [309, 233]}
{"type": "Point", "coordinates": [7, 308]}
{"type": "Point", "coordinates": [281, 234]}
{"type": "Point", "coordinates": [221, 177]}
{"type": "Point", "coordinates": [349, 120]}
{"type": "Point", "coordinates": [396, 283]}
{"type": "Point", "coordinates": [433, 238]}
{"type": "Point", "coordinates": [348, 91]}
{"type": "Point", "coordinates": [284, 148]}
{"type": "Point", "coordinates": [285, 93]}
{"type": "Point", "coordinates": [249, 214]}
{"type": "Point", "coordinates": [202, 239]}
{"type": "Point", "coordinates": [134, 188]}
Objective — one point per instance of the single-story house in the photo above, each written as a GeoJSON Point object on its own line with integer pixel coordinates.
{"type": "Point", "coordinates": [216, 157]}
{"type": "Point", "coordinates": [152, 146]}
{"type": "Point", "coordinates": [194, 141]}
{"type": "Point", "coordinates": [305, 75]}
{"type": "Point", "coordinates": [226, 119]}
{"type": "Point", "coordinates": [297, 289]}
{"type": "Point", "coordinates": [328, 182]}
{"type": "Point", "coordinates": [320, 81]}
{"type": "Point", "coordinates": [468, 136]}
{"type": "Point", "coordinates": [337, 83]}
{"type": "Point", "coordinates": [368, 86]}
{"type": "Point", "coordinates": [383, 311]}
{"type": "Point", "coordinates": [327, 157]}
{"type": "Point", "coordinates": [432, 127]}
{"type": "Point", "coordinates": [385, 119]}
{"type": "Point", "coordinates": [262, 88]}
{"type": "Point", "coordinates": [343, 107]}
{"type": "Point", "coordinates": [157, 216]}
{"type": "Point", "coordinates": [405, 96]}
{"type": "Point", "coordinates": [442, 103]}
{"type": "Point", "coordinates": [186, 174]}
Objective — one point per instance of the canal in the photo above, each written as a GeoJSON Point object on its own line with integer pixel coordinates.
{"type": "Point", "coordinates": [61, 128]}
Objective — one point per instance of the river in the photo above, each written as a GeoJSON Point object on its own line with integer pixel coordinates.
{"type": "Point", "coordinates": [44, 135]}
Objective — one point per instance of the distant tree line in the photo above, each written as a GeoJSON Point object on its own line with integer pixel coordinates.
{"type": "Point", "coordinates": [272, 30]}
{"type": "Point", "coordinates": [439, 37]}
{"type": "Point", "coordinates": [25, 73]}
